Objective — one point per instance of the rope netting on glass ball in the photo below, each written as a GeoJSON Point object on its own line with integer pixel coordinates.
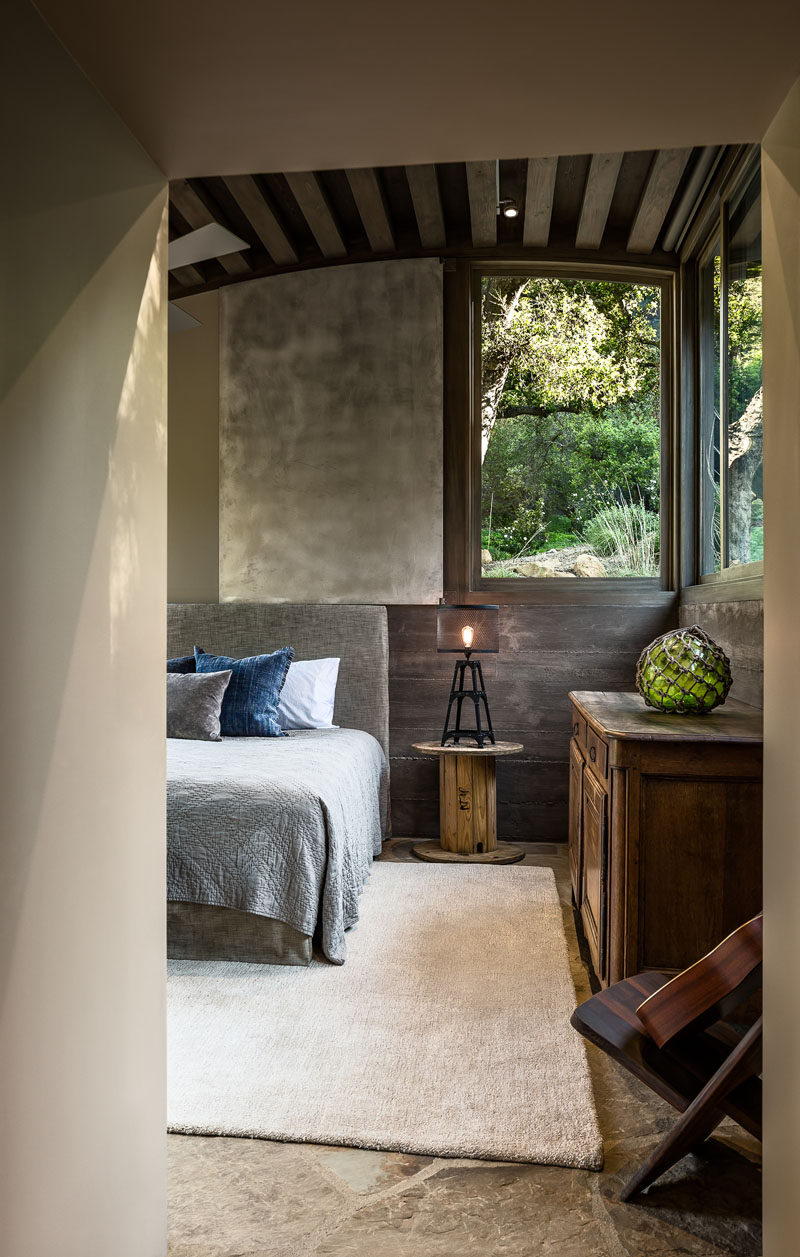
{"type": "Point", "coordinates": [684, 671]}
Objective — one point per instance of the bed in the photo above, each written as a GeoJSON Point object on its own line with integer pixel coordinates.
{"type": "Point", "coordinates": [270, 840]}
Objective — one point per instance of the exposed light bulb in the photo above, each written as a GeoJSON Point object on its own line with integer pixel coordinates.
{"type": "Point", "coordinates": [467, 635]}
{"type": "Point", "coordinates": [508, 207]}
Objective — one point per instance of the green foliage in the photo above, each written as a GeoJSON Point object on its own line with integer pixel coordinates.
{"type": "Point", "coordinates": [744, 342]}
{"type": "Point", "coordinates": [756, 530]}
{"type": "Point", "coordinates": [756, 543]}
{"type": "Point", "coordinates": [564, 465]}
{"type": "Point", "coordinates": [576, 423]}
{"type": "Point", "coordinates": [578, 343]}
{"type": "Point", "coordinates": [510, 540]}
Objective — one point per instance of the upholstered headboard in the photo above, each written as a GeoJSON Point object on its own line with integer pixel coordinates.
{"type": "Point", "coordinates": [358, 635]}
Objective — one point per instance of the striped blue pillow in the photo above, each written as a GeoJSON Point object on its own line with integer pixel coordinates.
{"type": "Point", "coordinates": [250, 703]}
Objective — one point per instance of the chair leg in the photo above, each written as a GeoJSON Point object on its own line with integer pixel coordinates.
{"type": "Point", "coordinates": [702, 1115]}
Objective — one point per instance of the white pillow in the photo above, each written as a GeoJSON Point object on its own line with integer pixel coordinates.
{"type": "Point", "coordinates": [306, 700]}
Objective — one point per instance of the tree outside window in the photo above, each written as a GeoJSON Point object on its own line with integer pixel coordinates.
{"type": "Point", "coordinates": [570, 410]}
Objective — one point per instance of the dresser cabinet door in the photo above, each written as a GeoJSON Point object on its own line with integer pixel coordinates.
{"type": "Point", "coordinates": [593, 888]}
{"type": "Point", "coordinates": [575, 845]}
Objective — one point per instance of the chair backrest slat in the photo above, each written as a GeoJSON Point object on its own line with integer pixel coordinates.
{"type": "Point", "coordinates": [708, 990]}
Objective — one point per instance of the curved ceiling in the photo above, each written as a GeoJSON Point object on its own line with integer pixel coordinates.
{"type": "Point", "coordinates": [220, 89]}
{"type": "Point", "coordinates": [628, 208]}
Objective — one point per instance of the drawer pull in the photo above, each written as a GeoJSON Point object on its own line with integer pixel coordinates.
{"type": "Point", "coordinates": [575, 729]}
{"type": "Point", "coordinates": [593, 753]}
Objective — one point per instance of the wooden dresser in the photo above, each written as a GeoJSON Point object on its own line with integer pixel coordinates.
{"type": "Point", "coordinates": [664, 829]}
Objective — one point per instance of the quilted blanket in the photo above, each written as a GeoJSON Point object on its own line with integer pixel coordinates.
{"type": "Point", "coordinates": [283, 827]}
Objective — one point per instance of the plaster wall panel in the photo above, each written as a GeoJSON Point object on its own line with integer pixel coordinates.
{"type": "Point", "coordinates": [331, 435]}
{"type": "Point", "coordinates": [781, 227]}
{"type": "Point", "coordinates": [83, 481]}
{"type": "Point", "coordinates": [193, 495]}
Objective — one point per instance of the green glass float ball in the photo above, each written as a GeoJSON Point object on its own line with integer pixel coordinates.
{"type": "Point", "coordinates": [684, 671]}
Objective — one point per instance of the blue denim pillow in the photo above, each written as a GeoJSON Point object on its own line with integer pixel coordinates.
{"type": "Point", "coordinates": [250, 704]}
{"type": "Point", "coordinates": [183, 663]}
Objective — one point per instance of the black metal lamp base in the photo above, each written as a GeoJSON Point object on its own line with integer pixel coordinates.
{"type": "Point", "coordinates": [477, 695]}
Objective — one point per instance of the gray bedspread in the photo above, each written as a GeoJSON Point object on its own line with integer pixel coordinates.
{"type": "Point", "coordinates": [283, 827]}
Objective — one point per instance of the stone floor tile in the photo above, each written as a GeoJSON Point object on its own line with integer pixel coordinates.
{"type": "Point", "coordinates": [228, 1197]}
{"type": "Point", "coordinates": [251, 1198]}
{"type": "Point", "coordinates": [365, 1171]}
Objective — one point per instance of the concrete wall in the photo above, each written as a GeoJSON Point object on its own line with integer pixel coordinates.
{"type": "Point", "coordinates": [82, 574]}
{"type": "Point", "coordinates": [331, 435]}
{"type": "Point", "coordinates": [738, 627]}
{"type": "Point", "coordinates": [781, 184]}
{"type": "Point", "coordinates": [193, 500]}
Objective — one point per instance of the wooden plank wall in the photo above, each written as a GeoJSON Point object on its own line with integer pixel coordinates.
{"type": "Point", "coordinates": [738, 627]}
{"type": "Point", "coordinates": [545, 651]}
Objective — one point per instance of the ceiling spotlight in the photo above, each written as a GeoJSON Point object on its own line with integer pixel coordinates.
{"type": "Point", "coordinates": [508, 208]}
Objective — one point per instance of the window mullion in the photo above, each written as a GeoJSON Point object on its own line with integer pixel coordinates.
{"type": "Point", "coordinates": [724, 551]}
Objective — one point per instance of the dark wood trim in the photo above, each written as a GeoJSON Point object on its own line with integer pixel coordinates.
{"type": "Point", "coordinates": [687, 489]}
{"type": "Point", "coordinates": [563, 253]}
{"type": "Point", "coordinates": [724, 549]}
{"type": "Point", "coordinates": [457, 399]}
{"type": "Point", "coordinates": [462, 468]}
{"type": "Point", "coordinates": [744, 589]}
{"type": "Point", "coordinates": [670, 396]}
{"type": "Point", "coordinates": [709, 226]}
{"type": "Point", "coordinates": [596, 593]}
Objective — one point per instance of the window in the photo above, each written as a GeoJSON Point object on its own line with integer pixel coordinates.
{"type": "Point", "coordinates": [731, 497]}
{"type": "Point", "coordinates": [569, 401]}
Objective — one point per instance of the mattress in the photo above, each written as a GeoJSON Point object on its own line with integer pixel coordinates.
{"type": "Point", "coordinates": [286, 828]}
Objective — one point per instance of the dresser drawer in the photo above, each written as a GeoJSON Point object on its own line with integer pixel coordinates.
{"type": "Point", "coordinates": [579, 729]}
{"type": "Point", "coordinates": [597, 752]}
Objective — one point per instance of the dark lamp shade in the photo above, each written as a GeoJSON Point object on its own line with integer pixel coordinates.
{"type": "Point", "coordinates": [473, 628]}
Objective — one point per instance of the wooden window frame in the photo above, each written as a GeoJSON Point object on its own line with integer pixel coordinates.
{"type": "Point", "coordinates": [745, 581]}
{"type": "Point", "coordinates": [463, 581]}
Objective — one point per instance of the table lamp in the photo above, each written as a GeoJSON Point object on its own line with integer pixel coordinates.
{"type": "Point", "coordinates": [471, 630]}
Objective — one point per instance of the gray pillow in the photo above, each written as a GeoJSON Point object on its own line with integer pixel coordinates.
{"type": "Point", "coordinates": [194, 701]}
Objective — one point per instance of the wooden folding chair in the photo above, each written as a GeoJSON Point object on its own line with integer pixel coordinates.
{"type": "Point", "coordinates": [672, 1033]}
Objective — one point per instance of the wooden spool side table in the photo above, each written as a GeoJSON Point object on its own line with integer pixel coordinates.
{"type": "Point", "coordinates": [468, 805]}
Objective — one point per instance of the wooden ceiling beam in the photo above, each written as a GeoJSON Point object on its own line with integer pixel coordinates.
{"type": "Point", "coordinates": [246, 193]}
{"type": "Point", "coordinates": [598, 194]}
{"type": "Point", "coordinates": [187, 276]}
{"type": "Point", "coordinates": [307, 191]}
{"type": "Point", "coordinates": [423, 185]}
{"type": "Point", "coordinates": [370, 204]}
{"type": "Point", "coordinates": [692, 195]}
{"type": "Point", "coordinates": [539, 192]}
{"type": "Point", "coordinates": [659, 189]}
{"type": "Point", "coordinates": [197, 214]}
{"type": "Point", "coordinates": [482, 189]}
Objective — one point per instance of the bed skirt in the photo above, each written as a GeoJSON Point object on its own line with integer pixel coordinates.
{"type": "Point", "coordinates": [197, 931]}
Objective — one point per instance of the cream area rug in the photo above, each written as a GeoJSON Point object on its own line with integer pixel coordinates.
{"type": "Point", "coordinates": [446, 1032]}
